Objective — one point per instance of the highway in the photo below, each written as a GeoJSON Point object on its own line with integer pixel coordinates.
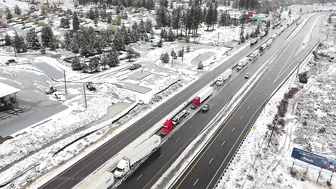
{"type": "Point", "coordinates": [207, 168]}
{"type": "Point", "coordinates": [76, 173]}
{"type": "Point", "coordinates": [153, 168]}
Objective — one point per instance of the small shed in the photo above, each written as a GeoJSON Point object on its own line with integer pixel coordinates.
{"type": "Point", "coordinates": [8, 97]}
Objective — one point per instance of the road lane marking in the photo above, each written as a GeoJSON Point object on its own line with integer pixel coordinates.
{"type": "Point", "coordinates": [195, 182]}
{"type": "Point", "coordinates": [139, 177]}
{"type": "Point", "coordinates": [177, 139]}
{"type": "Point", "coordinates": [191, 125]}
{"type": "Point", "coordinates": [233, 128]}
{"type": "Point", "coordinates": [160, 156]}
{"type": "Point", "coordinates": [223, 143]}
{"type": "Point", "coordinates": [260, 91]}
{"type": "Point", "coordinates": [254, 99]}
{"type": "Point", "coordinates": [241, 117]}
{"type": "Point", "coordinates": [210, 160]}
{"type": "Point", "coordinates": [249, 107]}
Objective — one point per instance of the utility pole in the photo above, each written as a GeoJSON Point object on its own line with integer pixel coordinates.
{"type": "Point", "coordinates": [65, 85]}
{"type": "Point", "coordinates": [85, 96]}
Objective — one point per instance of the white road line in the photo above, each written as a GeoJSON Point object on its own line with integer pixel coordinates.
{"type": "Point", "coordinates": [195, 182]}
{"type": "Point", "coordinates": [260, 91]}
{"type": "Point", "coordinates": [160, 156]}
{"type": "Point", "coordinates": [177, 139]}
{"type": "Point", "coordinates": [139, 177]}
{"type": "Point", "coordinates": [210, 160]}
{"type": "Point", "coordinates": [223, 143]}
{"type": "Point", "coordinates": [254, 99]}
{"type": "Point", "coordinates": [241, 117]}
{"type": "Point", "coordinates": [233, 128]}
{"type": "Point", "coordinates": [249, 107]}
{"type": "Point", "coordinates": [191, 125]}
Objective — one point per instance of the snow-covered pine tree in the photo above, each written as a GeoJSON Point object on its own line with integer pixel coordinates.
{"type": "Point", "coordinates": [23, 46]}
{"type": "Point", "coordinates": [33, 40]}
{"type": "Point", "coordinates": [8, 40]}
{"type": "Point", "coordinates": [130, 53]}
{"type": "Point", "coordinates": [113, 58]}
{"type": "Point", "coordinates": [75, 21]}
{"type": "Point", "coordinates": [170, 35]}
{"type": "Point", "coordinates": [142, 26]}
{"type": "Point", "coordinates": [17, 10]}
{"type": "Point", "coordinates": [164, 57]}
{"type": "Point", "coordinates": [94, 65]}
{"type": "Point", "coordinates": [104, 62]}
{"type": "Point", "coordinates": [47, 36]}
{"type": "Point", "coordinates": [188, 48]}
{"type": "Point", "coordinates": [163, 33]}
{"type": "Point", "coordinates": [148, 26]}
{"type": "Point", "coordinates": [76, 65]}
{"type": "Point", "coordinates": [8, 14]}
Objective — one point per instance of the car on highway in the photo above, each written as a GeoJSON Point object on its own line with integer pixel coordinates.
{"type": "Point", "coordinates": [253, 55]}
{"type": "Point", "coordinates": [247, 75]}
{"type": "Point", "coordinates": [205, 108]}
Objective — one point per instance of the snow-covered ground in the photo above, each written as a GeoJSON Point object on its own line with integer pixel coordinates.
{"type": "Point", "coordinates": [309, 124]}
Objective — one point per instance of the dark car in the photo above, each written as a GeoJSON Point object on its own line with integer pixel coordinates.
{"type": "Point", "coordinates": [205, 108]}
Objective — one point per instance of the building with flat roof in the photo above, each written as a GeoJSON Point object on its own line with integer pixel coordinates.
{"type": "Point", "coordinates": [8, 97]}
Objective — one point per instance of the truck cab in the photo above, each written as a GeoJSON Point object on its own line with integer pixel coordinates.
{"type": "Point", "coordinates": [122, 168]}
{"type": "Point", "coordinates": [195, 102]}
{"type": "Point", "coordinates": [166, 127]}
{"type": "Point", "coordinates": [220, 81]}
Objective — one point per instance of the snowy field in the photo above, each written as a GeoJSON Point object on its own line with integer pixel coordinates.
{"type": "Point", "coordinates": [308, 125]}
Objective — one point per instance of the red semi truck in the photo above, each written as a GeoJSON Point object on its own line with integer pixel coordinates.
{"type": "Point", "coordinates": [167, 127]}
{"type": "Point", "coordinates": [200, 97]}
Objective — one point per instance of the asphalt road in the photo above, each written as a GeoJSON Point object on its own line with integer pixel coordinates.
{"type": "Point", "coordinates": [76, 173]}
{"type": "Point", "coordinates": [149, 172]}
{"type": "Point", "coordinates": [207, 168]}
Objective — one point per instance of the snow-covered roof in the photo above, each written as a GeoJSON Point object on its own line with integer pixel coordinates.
{"type": "Point", "coordinates": [7, 90]}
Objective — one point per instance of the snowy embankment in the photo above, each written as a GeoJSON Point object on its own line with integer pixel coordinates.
{"type": "Point", "coordinates": [308, 124]}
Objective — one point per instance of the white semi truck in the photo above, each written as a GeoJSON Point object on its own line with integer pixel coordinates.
{"type": "Point", "coordinates": [136, 155]}
{"type": "Point", "coordinates": [226, 75]}
{"type": "Point", "coordinates": [242, 63]}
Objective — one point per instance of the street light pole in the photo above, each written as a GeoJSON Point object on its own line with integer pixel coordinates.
{"type": "Point", "coordinates": [85, 96]}
{"type": "Point", "coordinates": [65, 85]}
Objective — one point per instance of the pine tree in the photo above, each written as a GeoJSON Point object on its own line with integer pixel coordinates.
{"type": "Point", "coordinates": [75, 21]}
{"type": "Point", "coordinates": [47, 36]}
{"type": "Point", "coordinates": [104, 62]}
{"type": "Point", "coordinates": [163, 34]}
{"type": "Point", "coordinates": [96, 13]}
{"type": "Point", "coordinates": [76, 65]}
{"type": "Point", "coordinates": [148, 26]}
{"type": "Point", "coordinates": [109, 19]}
{"type": "Point", "coordinates": [8, 40]}
{"type": "Point", "coordinates": [200, 65]}
{"type": "Point", "coordinates": [188, 48]}
{"type": "Point", "coordinates": [290, 12]}
{"type": "Point", "coordinates": [95, 21]}
{"type": "Point", "coordinates": [33, 40]}
{"type": "Point", "coordinates": [9, 14]}
{"type": "Point", "coordinates": [119, 42]}
{"type": "Point", "coordinates": [173, 54]}
{"type": "Point", "coordinates": [54, 44]}
{"type": "Point", "coordinates": [170, 35]}
{"type": "Point", "coordinates": [215, 15]}
{"type": "Point", "coordinates": [17, 10]}
{"type": "Point", "coordinates": [142, 26]}
{"type": "Point", "coordinates": [91, 14]}
{"type": "Point", "coordinates": [164, 57]}
{"type": "Point", "coordinates": [113, 58]}
{"type": "Point", "coordinates": [209, 17]}
{"type": "Point", "coordinates": [130, 53]}
{"type": "Point", "coordinates": [94, 65]}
